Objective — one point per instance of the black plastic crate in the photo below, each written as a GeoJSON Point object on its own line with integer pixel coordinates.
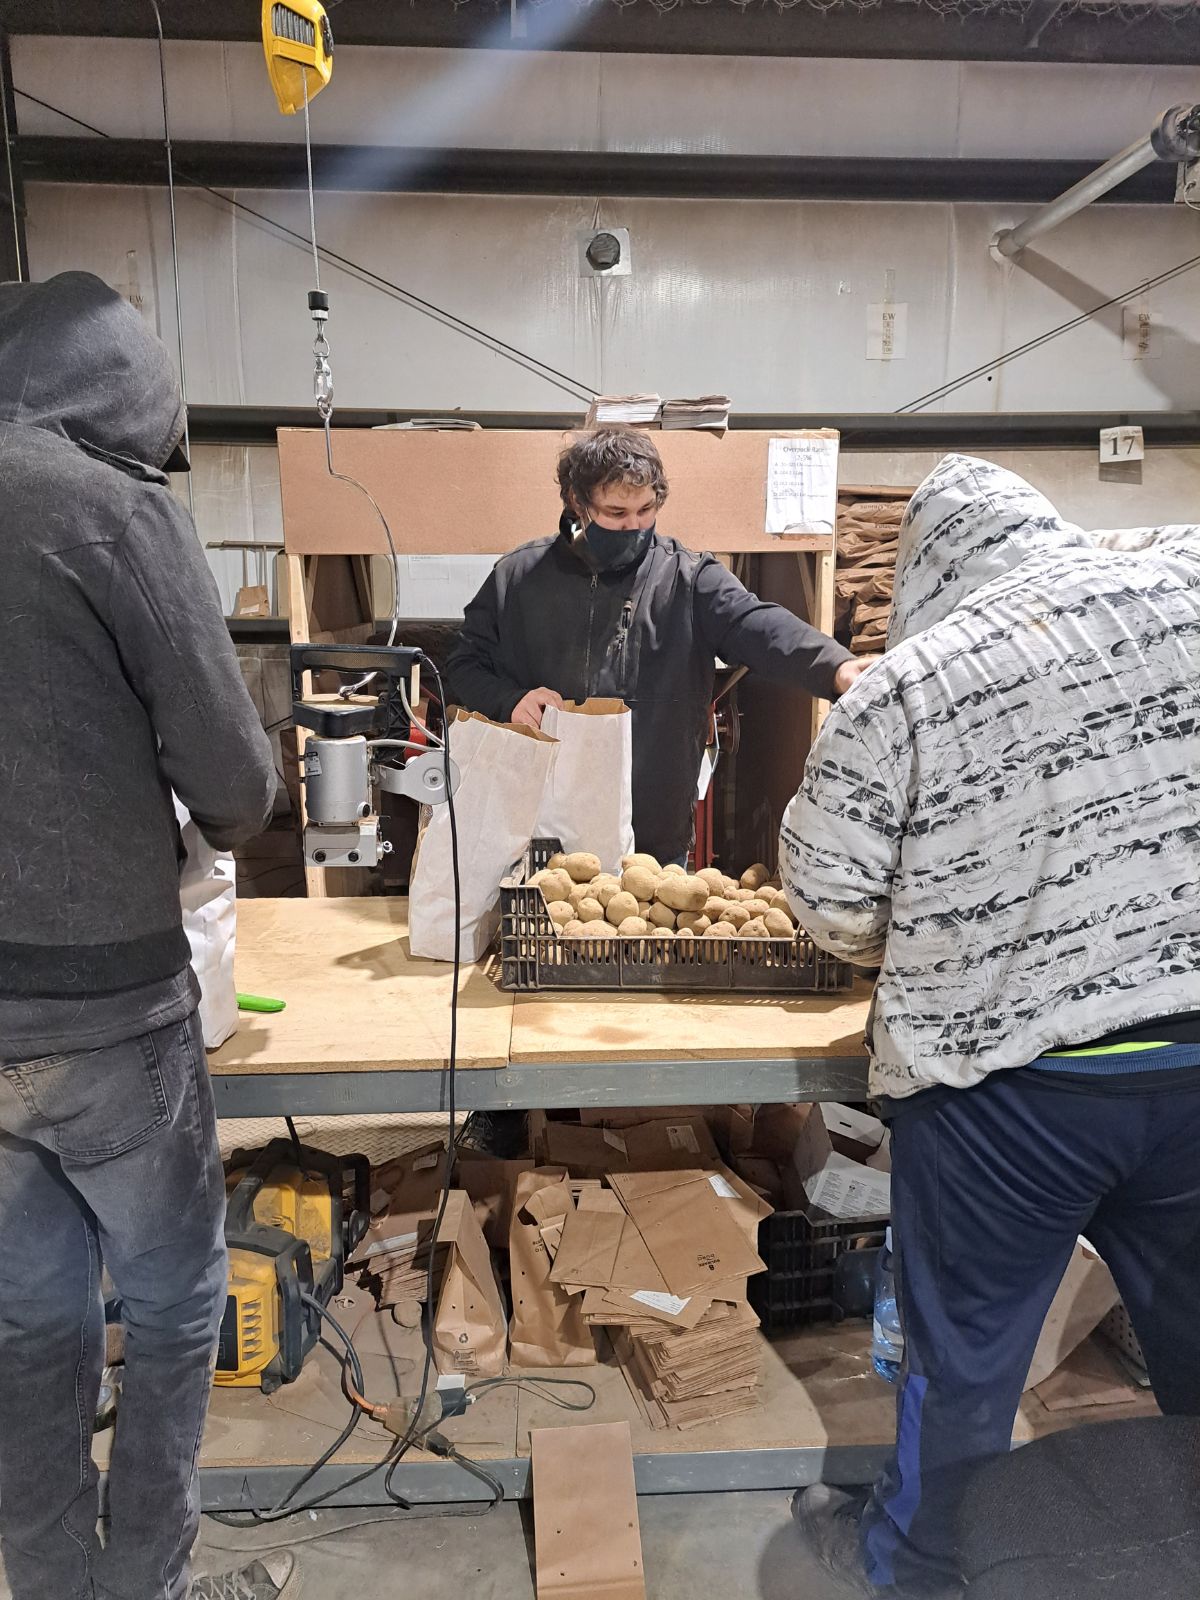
{"type": "Point", "coordinates": [802, 1252]}
{"type": "Point", "coordinates": [534, 955]}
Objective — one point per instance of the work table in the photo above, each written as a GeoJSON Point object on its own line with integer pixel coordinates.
{"type": "Point", "coordinates": [367, 1029]}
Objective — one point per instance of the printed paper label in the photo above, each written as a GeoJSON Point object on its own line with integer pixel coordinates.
{"type": "Point", "coordinates": [671, 1304]}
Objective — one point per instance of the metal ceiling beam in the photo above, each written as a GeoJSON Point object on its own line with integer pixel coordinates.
{"type": "Point", "coordinates": [930, 430]}
{"type": "Point", "coordinates": [893, 29]}
{"type": "Point", "coordinates": [382, 170]}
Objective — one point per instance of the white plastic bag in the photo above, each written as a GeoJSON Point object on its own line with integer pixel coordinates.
{"type": "Point", "coordinates": [588, 803]}
{"type": "Point", "coordinates": [502, 775]}
{"type": "Point", "coordinates": [208, 897]}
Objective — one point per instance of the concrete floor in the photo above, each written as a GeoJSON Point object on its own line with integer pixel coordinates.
{"type": "Point", "coordinates": [732, 1545]}
{"type": "Point", "coordinates": [735, 1546]}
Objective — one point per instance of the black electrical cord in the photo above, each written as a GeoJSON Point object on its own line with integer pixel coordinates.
{"type": "Point", "coordinates": [575, 387]}
{"type": "Point", "coordinates": [285, 1508]}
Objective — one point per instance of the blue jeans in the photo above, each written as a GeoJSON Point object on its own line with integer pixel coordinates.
{"type": "Point", "coordinates": [108, 1156]}
{"type": "Point", "coordinates": [991, 1186]}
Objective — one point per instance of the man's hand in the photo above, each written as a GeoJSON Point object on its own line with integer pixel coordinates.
{"type": "Point", "coordinates": [849, 671]}
{"type": "Point", "coordinates": [528, 712]}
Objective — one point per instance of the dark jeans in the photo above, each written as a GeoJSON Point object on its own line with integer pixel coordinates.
{"type": "Point", "coordinates": [107, 1156]}
{"type": "Point", "coordinates": [991, 1186]}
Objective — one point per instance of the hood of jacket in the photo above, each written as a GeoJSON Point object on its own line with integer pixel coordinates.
{"type": "Point", "coordinates": [76, 359]}
{"type": "Point", "coordinates": [969, 522]}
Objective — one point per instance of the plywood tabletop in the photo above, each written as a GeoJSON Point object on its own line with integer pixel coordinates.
{"type": "Point", "coordinates": [356, 999]}
{"type": "Point", "coordinates": [689, 1027]}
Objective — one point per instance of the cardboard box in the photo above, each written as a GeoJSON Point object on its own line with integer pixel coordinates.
{"type": "Point", "coordinates": [1085, 1296]}
{"type": "Point", "coordinates": [840, 1164]}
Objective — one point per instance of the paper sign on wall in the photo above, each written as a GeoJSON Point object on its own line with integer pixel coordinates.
{"type": "Point", "coordinates": [1121, 444]}
{"type": "Point", "coordinates": [802, 485]}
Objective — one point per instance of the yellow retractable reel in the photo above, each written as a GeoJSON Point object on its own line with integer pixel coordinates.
{"type": "Point", "coordinates": [298, 43]}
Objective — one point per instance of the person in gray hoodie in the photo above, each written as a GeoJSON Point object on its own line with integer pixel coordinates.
{"type": "Point", "coordinates": [122, 686]}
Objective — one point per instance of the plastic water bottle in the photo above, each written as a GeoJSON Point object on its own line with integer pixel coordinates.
{"type": "Point", "coordinates": [887, 1342]}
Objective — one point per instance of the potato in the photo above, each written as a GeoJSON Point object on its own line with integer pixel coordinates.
{"type": "Point", "coordinates": [736, 916]}
{"type": "Point", "coordinates": [714, 878]}
{"type": "Point", "coordinates": [578, 892]}
{"type": "Point", "coordinates": [640, 882]}
{"type": "Point", "coordinates": [693, 922]}
{"type": "Point", "coordinates": [644, 908]}
{"type": "Point", "coordinates": [675, 870]}
{"type": "Point", "coordinates": [558, 862]}
{"type": "Point", "coordinates": [603, 879]}
{"type": "Point", "coordinates": [758, 907]}
{"type": "Point", "coordinates": [729, 887]}
{"type": "Point", "coordinates": [742, 896]}
{"type": "Point", "coordinates": [756, 928]}
{"type": "Point", "coordinates": [554, 885]}
{"type": "Point", "coordinates": [572, 930]}
{"type": "Point", "coordinates": [685, 933]}
{"type": "Point", "coordinates": [597, 930]}
{"type": "Point", "coordinates": [606, 893]}
{"type": "Point", "coordinates": [640, 859]}
{"type": "Point", "coordinates": [589, 910]}
{"type": "Point", "coordinates": [682, 893]}
{"type": "Point", "coordinates": [767, 893]}
{"type": "Point", "coordinates": [661, 916]}
{"type": "Point", "coordinates": [634, 928]}
{"type": "Point", "coordinates": [754, 877]}
{"type": "Point", "coordinates": [584, 867]}
{"type": "Point", "coordinates": [619, 907]}
{"type": "Point", "coordinates": [720, 930]}
{"type": "Point", "coordinates": [561, 913]}
{"type": "Point", "coordinates": [715, 907]}
{"type": "Point", "coordinates": [778, 924]}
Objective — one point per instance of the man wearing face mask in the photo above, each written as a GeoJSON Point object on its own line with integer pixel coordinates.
{"type": "Point", "coordinates": [608, 608]}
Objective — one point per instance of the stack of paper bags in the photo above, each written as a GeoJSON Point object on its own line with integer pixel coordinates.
{"type": "Point", "coordinates": [661, 1260]}
{"type": "Point", "coordinates": [710, 411]}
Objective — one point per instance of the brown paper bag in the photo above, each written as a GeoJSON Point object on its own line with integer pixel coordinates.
{"type": "Point", "coordinates": [469, 1328]}
{"type": "Point", "coordinates": [252, 600]}
{"type": "Point", "coordinates": [492, 1185]}
{"type": "Point", "coordinates": [548, 1329]}
{"type": "Point", "coordinates": [587, 1541]}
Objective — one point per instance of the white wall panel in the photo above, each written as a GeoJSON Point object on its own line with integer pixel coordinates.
{"type": "Point", "coordinates": [765, 300]}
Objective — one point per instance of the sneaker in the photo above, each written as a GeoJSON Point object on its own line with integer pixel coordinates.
{"type": "Point", "coordinates": [268, 1578]}
{"type": "Point", "coordinates": [829, 1520]}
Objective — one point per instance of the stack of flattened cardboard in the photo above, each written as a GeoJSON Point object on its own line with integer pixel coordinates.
{"type": "Point", "coordinates": [661, 1259]}
{"type": "Point", "coordinates": [868, 537]}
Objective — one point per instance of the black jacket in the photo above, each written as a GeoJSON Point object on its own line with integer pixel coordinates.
{"type": "Point", "coordinates": [648, 633]}
{"type": "Point", "coordinates": [122, 681]}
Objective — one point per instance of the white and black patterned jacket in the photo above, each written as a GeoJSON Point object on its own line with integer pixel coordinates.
{"type": "Point", "coordinates": [1004, 813]}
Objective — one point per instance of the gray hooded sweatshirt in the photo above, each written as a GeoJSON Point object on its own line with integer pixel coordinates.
{"type": "Point", "coordinates": [121, 681]}
{"type": "Point", "coordinates": [1004, 813]}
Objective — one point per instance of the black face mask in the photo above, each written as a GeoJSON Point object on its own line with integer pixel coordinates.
{"type": "Point", "coordinates": [615, 547]}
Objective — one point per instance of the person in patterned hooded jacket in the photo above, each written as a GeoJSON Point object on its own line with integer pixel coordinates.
{"type": "Point", "coordinates": [1003, 817]}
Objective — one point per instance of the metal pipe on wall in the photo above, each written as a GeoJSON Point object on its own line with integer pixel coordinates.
{"type": "Point", "coordinates": [1176, 137]}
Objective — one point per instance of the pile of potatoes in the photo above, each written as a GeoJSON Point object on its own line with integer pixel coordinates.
{"type": "Point", "coordinates": [650, 900]}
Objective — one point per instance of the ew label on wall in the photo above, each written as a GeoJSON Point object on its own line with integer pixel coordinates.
{"type": "Point", "coordinates": [1141, 334]}
{"type": "Point", "coordinates": [1118, 445]}
{"type": "Point", "coordinates": [887, 331]}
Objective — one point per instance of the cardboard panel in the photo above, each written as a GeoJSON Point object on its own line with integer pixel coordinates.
{"type": "Point", "coordinates": [586, 1536]}
{"type": "Point", "coordinates": [487, 492]}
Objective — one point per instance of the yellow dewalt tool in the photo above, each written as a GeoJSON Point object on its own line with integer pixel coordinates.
{"type": "Point", "coordinates": [298, 43]}
{"type": "Point", "coordinates": [292, 1217]}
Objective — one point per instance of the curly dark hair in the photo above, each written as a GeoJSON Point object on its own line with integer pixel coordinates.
{"type": "Point", "coordinates": [603, 456]}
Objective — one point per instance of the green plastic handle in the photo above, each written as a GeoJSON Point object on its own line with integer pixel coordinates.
{"type": "Point", "coordinates": [255, 1002]}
